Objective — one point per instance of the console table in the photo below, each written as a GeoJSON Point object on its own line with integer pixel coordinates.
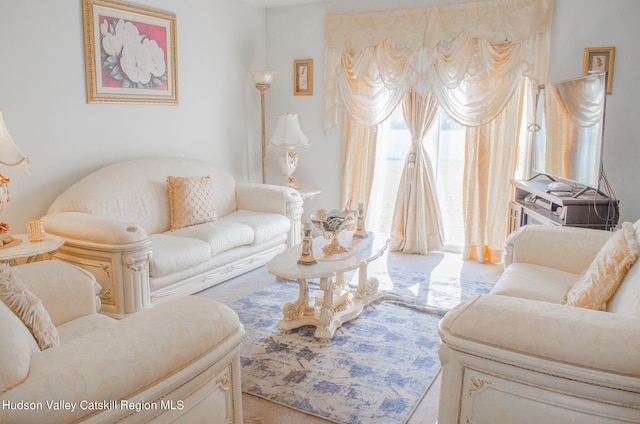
{"type": "Point", "coordinates": [532, 204]}
{"type": "Point", "coordinates": [338, 303]}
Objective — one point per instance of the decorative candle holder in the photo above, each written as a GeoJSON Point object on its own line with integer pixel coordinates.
{"type": "Point", "coordinates": [35, 230]}
{"type": "Point", "coordinates": [307, 258]}
{"type": "Point", "coordinates": [360, 230]}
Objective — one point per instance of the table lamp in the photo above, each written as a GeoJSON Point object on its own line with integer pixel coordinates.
{"type": "Point", "coordinates": [286, 138]}
{"type": "Point", "coordinates": [10, 157]}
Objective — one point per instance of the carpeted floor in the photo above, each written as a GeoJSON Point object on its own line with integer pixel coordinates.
{"type": "Point", "coordinates": [395, 271]}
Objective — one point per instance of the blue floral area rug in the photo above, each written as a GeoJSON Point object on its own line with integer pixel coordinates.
{"type": "Point", "coordinates": [375, 369]}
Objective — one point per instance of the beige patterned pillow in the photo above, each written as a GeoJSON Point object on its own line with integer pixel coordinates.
{"type": "Point", "coordinates": [190, 201]}
{"type": "Point", "coordinates": [28, 307]}
{"type": "Point", "coordinates": [606, 272]}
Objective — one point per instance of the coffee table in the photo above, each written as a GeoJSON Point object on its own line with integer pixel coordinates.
{"type": "Point", "coordinates": [338, 303]}
{"type": "Point", "coordinates": [32, 251]}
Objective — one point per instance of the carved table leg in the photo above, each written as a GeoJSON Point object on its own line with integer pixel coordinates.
{"type": "Point", "coordinates": [367, 286]}
{"type": "Point", "coordinates": [326, 310]}
{"type": "Point", "coordinates": [301, 307]}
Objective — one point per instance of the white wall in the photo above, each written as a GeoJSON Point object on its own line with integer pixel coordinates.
{"type": "Point", "coordinates": [42, 92]}
{"type": "Point", "coordinates": [579, 24]}
{"type": "Point", "coordinates": [298, 33]}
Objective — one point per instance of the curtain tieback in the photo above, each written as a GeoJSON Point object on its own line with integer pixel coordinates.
{"type": "Point", "coordinates": [412, 154]}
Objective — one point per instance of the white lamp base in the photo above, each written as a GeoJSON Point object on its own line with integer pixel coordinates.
{"type": "Point", "coordinates": [288, 163]}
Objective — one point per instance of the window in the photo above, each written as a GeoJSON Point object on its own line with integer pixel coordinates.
{"type": "Point", "coordinates": [445, 147]}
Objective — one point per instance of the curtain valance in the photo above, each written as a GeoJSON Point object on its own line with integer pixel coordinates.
{"type": "Point", "coordinates": [470, 55]}
{"type": "Point", "coordinates": [496, 21]}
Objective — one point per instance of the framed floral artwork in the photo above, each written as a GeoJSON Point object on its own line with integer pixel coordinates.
{"type": "Point", "coordinates": [600, 59]}
{"type": "Point", "coordinates": [130, 53]}
{"type": "Point", "coordinates": [303, 77]}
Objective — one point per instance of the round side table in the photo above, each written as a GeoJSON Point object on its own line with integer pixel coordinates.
{"type": "Point", "coordinates": [33, 251]}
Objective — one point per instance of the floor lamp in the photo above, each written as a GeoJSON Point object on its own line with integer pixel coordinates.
{"type": "Point", "coordinates": [263, 80]}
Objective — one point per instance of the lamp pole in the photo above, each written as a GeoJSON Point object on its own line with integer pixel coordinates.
{"type": "Point", "coordinates": [263, 89]}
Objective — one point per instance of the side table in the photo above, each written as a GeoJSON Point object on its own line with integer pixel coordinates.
{"type": "Point", "coordinates": [33, 251]}
{"type": "Point", "coordinates": [338, 303]}
{"type": "Point", "coordinates": [308, 193]}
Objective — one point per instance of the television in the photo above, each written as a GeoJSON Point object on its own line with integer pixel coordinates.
{"type": "Point", "coordinates": [569, 129]}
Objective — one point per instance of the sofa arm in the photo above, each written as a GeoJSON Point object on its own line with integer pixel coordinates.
{"type": "Point", "coordinates": [119, 361]}
{"type": "Point", "coordinates": [585, 338]}
{"type": "Point", "coordinates": [567, 249]}
{"type": "Point", "coordinates": [92, 228]}
{"type": "Point", "coordinates": [273, 199]}
{"type": "Point", "coordinates": [266, 198]}
{"type": "Point", "coordinates": [67, 292]}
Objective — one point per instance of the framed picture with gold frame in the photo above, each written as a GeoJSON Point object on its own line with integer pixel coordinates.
{"type": "Point", "coordinates": [130, 53]}
{"type": "Point", "coordinates": [303, 77]}
{"type": "Point", "coordinates": [600, 59]}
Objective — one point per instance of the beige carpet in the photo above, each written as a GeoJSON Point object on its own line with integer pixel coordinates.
{"type": "Point", "coordinates": [260, 411]}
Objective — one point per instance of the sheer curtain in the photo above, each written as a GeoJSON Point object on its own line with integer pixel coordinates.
{"type": "Point", "coordinates": [470, 57]}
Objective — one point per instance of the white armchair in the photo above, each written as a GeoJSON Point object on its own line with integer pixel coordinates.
{"type": "Point", "coordinates": [518, 355]}
{"type": "Point", "coordinates": [177, 362]}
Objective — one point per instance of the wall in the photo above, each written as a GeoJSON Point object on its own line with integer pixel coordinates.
{"type": "Point", "coordinates": [298, 33]}
{"type": "Point", "coordinates": [592, 23]}
{"type": "Point", "coordinates": [42, 92]}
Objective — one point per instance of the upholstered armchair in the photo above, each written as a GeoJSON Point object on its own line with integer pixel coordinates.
{"type": "Point", "coordinates": [176, 362]}
{"type": "Point", "coordinates": [521, 355]}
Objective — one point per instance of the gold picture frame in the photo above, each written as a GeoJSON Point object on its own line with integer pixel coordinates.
{"type": "Point", "coordinates": [303, 77]}
{"type": "Point", "coordinates": [600, 59]}
{"type": "Point", "coordinates": [130, 53]}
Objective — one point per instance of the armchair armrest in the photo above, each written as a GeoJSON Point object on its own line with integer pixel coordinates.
{"type": "Point", "coordinates": [92, 228]}
{"type": "Point", "coordinates": [266, 198]}
{"type": "Point", "coordinates": [568, 249]}
{"type": "Point", "coordinates": [585, 338]}
{"type": "Point", "coordinates": [67, 292]}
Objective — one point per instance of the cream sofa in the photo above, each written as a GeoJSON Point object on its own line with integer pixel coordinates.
{"type": "Point", "coordinates": [518, 355]}
{"type": "Point", "coordinates": [177, 362]}
{"type": "Point", "coordinates": [116, 224]}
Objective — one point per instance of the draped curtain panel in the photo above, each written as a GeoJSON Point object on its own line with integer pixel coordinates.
{"type": "Point", "coordinates": [417, 222]}
{"type": "Point", "coordinates": [358, 161]}
{"type": "Point", "coordinates": [469, 56]}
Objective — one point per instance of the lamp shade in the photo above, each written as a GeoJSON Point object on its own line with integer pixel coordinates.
{"type": "Point", "coordinates": [10, 154]}
{"type": "Point", "coordinates": [288, 134]}
{"type": "Point", "coordinates": [263, 77]}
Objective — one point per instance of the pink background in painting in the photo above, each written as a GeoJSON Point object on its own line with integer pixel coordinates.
{"type": "Point", "coordinates": [153, 32]}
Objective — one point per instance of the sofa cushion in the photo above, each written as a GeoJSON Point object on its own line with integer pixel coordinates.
{"type": "Point", "coordinates": [266, 226]}
{"type": "Point", "coordinates": [220, 235]}
{"type": "Point", "coordinates": [136, 191]}
{"type": "Point", "coordinates": [171, 253]}
{"type": "Point", "coordinates": [626, 300]}
{"type": "Point", "coordinates": [28, 307]}
{"type": "Point", "coordinates": [602, 278]}
{"type": "Point", "coordinates": [16, 347]}
{"type": "Point", "coordinates": [534, 282]}
{"type": "Point", "coordinates": [190, 201]}
{"type": "Point", "coordinates": [83, 325]}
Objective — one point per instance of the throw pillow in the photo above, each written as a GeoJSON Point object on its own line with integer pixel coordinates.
{"type": "Point", "coordinates": [604, 275]}
{"type": "Point", "coordinates": [190, 201]}
{"type": "Point", "coordinates": [28, 307]}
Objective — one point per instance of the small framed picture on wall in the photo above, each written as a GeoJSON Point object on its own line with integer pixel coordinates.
{"type": "Point", "coordinates": [600, 59]}
{"type": "Point", "coordinates": [303, 77]}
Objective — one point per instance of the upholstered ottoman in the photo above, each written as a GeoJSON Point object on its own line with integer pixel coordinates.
{"type": "Point", "coordinates": [175, 362]}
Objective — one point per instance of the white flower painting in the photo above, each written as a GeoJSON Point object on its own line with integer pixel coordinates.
{"type": "Point", "coordinates": [130, 53]}
{"type": "Point", "coordinates": [132, 59]}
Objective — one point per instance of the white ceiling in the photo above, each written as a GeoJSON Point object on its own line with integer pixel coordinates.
{"type": "Point", "coordinates": [276, 3]}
